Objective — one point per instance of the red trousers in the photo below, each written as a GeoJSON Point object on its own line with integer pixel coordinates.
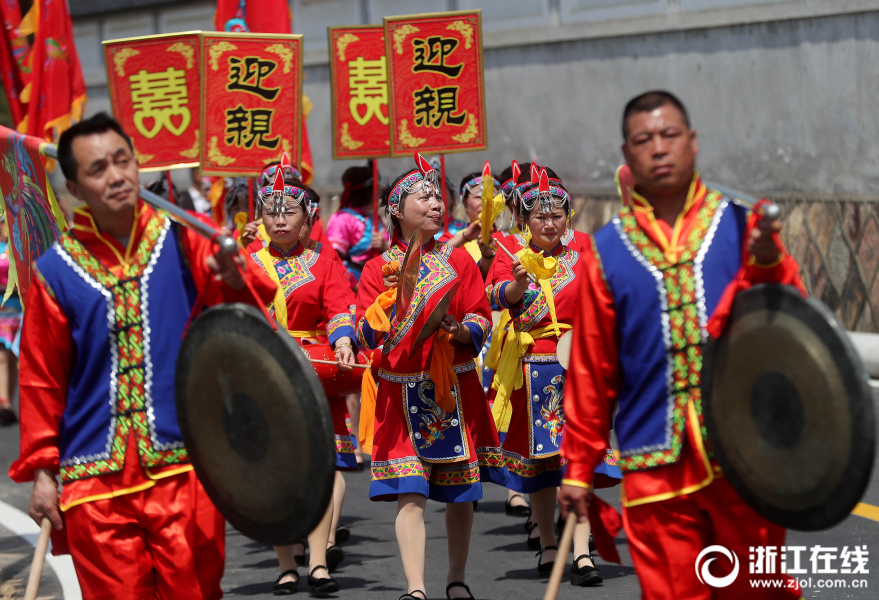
{"type": "Point", "coordinates": [165, 542]}
{"type": "Point", "coordinates": [666, 537]}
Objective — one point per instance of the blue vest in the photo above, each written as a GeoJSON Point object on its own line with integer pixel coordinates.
{"type": "Point", "coordinates": [126, 334]}
{"type": "Point", "coordinates": [662, 310]}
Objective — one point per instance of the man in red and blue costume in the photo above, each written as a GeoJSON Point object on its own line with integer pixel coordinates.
{"type": "Point", "coordinates": [102, 329]}
{"type": "Point", "coordinates": [666, 270]}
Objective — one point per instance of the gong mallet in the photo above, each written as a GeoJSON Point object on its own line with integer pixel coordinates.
{"type": "Point", "coordinates": [513, 258]}
{"type": "Point", "coordinates": [33, 579]}
{"type": "Point", "coordinates": [558, 569]}
{"type": "Point", "coordinates": [226, 243]}
{"type": "Point", "coordinates": [770, 212]}
{"type": "Point", "coordinates": [332, 362]}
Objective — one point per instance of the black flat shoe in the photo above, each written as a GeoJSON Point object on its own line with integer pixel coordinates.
{"type": "Point", "coordinates": [459, 584]}
{"type": "Point", "coordinates": [409, 596]}
{"type": "Point", "coordinates": [545, 568]}
{"type": "Point", "coordinates": [587, 574]}
{"type": "Point", "coordinates": [343, 534]}
{"type": "Point", "coordinates": [533, 542]}
{"type": "Point", "coordinates": [288, 587]}
{"type": "Point", "coordinates": [7, 417]}
{"type": "Point", "coordinates": [322, 586]}
{"type": "Point", "coordinates": [335, 556]}
{"type": "Point", "coordinates": [517, 511]}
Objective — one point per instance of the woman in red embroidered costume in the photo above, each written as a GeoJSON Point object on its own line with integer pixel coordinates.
{"type": "Point", "coordinates": [311, 291]}
{"type": "Point", "coordinates": [537, 288]}
{"type": "Point", "coordinates": [429, 428]}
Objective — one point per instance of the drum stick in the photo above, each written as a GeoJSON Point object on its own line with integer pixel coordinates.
{"type": "Point", "coordinates": [228, 245]}
{"type": "Point", "coordinates": [513, 257]}
{"type": "Point", "coordinates": [558, 569]}
{"type": "Point", "coordinates": [33, 579]}
{"type": "Point", "coordinates": [332, 362]}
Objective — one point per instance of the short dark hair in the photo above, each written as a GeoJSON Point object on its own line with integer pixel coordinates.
{"type": "Point", "coordinates": [100, 123]}
{"type": "Point", "coordinates": [650, 101]}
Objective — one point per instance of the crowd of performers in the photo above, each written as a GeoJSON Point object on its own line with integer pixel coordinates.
{"type": "Point", "coordinates": [547, 332]}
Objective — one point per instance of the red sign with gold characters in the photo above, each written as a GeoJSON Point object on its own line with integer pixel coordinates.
{"type": "Point", "coordinates": [359, 80]}
{"type": "Point", "coordinates": [437, 91]}
{"type": "Point", "coordinates": [154, 91]}
{"type": "Point", "coordinates": [252, 98]}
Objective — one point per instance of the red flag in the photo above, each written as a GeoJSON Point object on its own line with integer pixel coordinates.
{"type": "Point", "coordinates": [266, 16]}
{"type": "Point", "coordinates": [14, 58]}
{"type": "Point", "coordinates": [57, 95]}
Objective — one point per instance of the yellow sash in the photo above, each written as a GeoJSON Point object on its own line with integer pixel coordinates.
{"type": "Point", "coordinates": [313, 333]}
{"type": "Point", "coordinates": [280, 300]}
{"type": "Point", "coordinates": [473, 248]}
{"type": "Point", "coordinates": [509, 375]}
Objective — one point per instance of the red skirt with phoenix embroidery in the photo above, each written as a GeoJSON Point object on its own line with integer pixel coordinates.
{"type": "Point", "coordinates": [472, 453]}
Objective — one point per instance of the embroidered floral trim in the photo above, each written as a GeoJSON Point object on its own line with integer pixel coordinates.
{"type": "Point", "coordinates": [129, 360]}
{"type": "Point", "coordinates": [682, 324]}
{"type": "Point", "coordinates": [531, 467]}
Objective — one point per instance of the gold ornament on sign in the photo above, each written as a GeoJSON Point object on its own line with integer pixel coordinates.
{"type": "Point", "coordinates": [192, 152]}
{"type": "Point", "coordinates": [216, 51]}
{"type": "Point", "coordinates": [342, 44]}
{"type": "Point", "coordinates": [406, 138]}
{"type": "Point", "coordinates": [120, 57]}
{"type": "Point", "coordinates": [471, 132]}
{"type": "Point", "coordinates": [346, 140]}
{"type": "Point", "coordinates": [400, 36]}
{"type": "Point", "coordinates": [143, 158]}
{"type": "Point", "coordinates": [285, 53]}
{"type": "Point", "coordinates": [186, 51]}
{"type": "Point", "coordinates": [215, 156]}
{"type": "Point", "coordinates": [287, 145]}
{"type": "Point", "coordinates": [465, 29]}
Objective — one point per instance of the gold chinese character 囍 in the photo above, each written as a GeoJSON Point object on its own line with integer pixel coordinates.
{"type": "Point", "coordinates": [160, 96]}
{"type": "Point", "coordinates": [244, 127]}
{"type": "Point", "coordinates": [368, 81]}
{"type": "Point", "coordinates": [247, 74]}
{"type": "Point", "coordinates": [435, 106]}
{"type": "Point", "coordinates": [431, 54]}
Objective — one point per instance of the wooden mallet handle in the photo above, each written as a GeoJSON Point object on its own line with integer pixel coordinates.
{"type": "Point", "coordinates": [561, 560]}
{"type": "Point", "coordinates": [33, 579]}
{"type": "Point", "coordinates": [513, 258]}
{"type": "Point", "coordinates": [332, 362]}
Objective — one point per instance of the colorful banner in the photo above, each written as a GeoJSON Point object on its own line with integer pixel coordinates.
{"type": "Point", "coordinates": [437, 93]}
{"type": "Point", "coordinates": [359, 81]}
{"type": "Point", "coordinates": [155, 94]}
{"type": "Point", "coordinates": [32, 214]}
{"type": "Point", "coordinates": [56, 94]}
{"type": "Point", "coordinates": [252, 101]}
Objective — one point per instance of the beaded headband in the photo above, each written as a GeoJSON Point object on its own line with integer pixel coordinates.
{"type": "Point", "coordinates": [274, 198]}
{"type": "Point", "coordinates": [412, 181]}
{"type": "Point", "coordinates": [510, 184]}
{"type": "Point", "coordinates": [545, 196]}
{"type": "Point", "coordinates": [468, 187]}
{"type": "Point", "coordinates": [268, 174]}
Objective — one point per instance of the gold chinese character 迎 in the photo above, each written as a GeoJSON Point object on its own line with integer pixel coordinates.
{"type": "Point", "coordinates": [160, 96]}
{"type": "Point", "coordinates": [247, 74]}
{"type": "Point", "coordinates": [368, 80]}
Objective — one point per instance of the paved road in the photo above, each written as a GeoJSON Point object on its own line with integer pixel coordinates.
{"type": "Point", "coordinates": [500, 566]}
